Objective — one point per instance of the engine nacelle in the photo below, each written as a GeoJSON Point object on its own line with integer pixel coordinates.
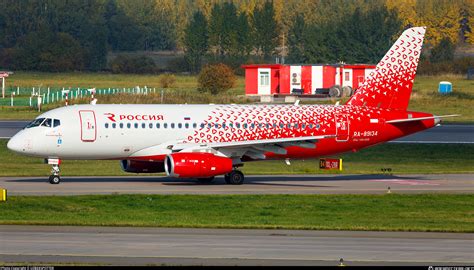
{"type": "Point", "coordinates": [135, 166]}
{"type": "Point", "coordinates": [196, 165]}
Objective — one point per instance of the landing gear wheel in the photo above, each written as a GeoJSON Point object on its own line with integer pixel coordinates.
{"type": "Point", "coordinates": [205, 180]}
{"type": "Point", "coordinates": [54, 179]}
{"type": "Point", "coordinates": [235, 178]}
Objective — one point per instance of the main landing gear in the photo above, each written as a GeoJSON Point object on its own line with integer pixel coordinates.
{"type": "Point", "coordinates": [54, 177]}
{"type": "Point", "coordinates": [235, 177]}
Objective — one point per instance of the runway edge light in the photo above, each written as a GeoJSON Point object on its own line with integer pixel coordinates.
{"type": "Point", "coordinates": [3, 195]}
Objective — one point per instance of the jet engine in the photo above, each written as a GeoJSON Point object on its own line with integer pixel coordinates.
{"type": "Point", "coordinates": [196, 165]}
{"type": "Point", "coordinates": [135, 166]}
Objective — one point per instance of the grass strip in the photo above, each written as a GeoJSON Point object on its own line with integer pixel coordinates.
{"type": "Point", "coordinates": [389, 212]}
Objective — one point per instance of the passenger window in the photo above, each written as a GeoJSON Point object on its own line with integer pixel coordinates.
{"type": "Point", "coordinates": [114, 125]}
{"type": "Point", "coordinates": [216, 125]}
{"type": "Point", "coordinates": [135, 125]}
{"type": "Point", "coordinates": [180, 125]}
{"type": "Point", "coordinates": [223, 125]}
{"type": "Point", "coordinates": [231, 125]}
{"type": "Point", "coordinates": [274, 125]}
{"type": "Point", "coordinates": [151, 125]}
{"type": "Point", "coordinates": [46, 123]}
{"type": "Point", "coordinates": [129, 125]}
{"type": "Point", "coordinates": [165, 125]}
{"type": "Point", "coordinates": [202, 125]}
{"type": "Point", "coordinates": [143, 125]}
{"type": "Point", "coordinates": [56, 123]}
{"type": "Point", "coordinates": [281, 125]}
{"type": "Point", "coordinates": [121, 125]}
{"type": "Point", "coordinates": [317, 126]}
{"type": "Point", "coordinates": [106, 125]}
{"type": "Point", "coordinates": [186, 125]}
{"type": "Point", "coordinates": [237, 125]}
{"type": "Point", "coordinates": [303, 126]}
{"type": "Point", "coordinates": [194, 125]}
{"type": "Point", "coordinates": [296, 125]}
{"type": "Point", "coordinates": [157, 125]}
{"type": "Point", "coordinates": [245, 125]}
{"type": "Point", "coordinates": [310, 126]}
{"type": "Point", "coordinates": [172, 125]}
{"type": "Point", "coordinates": [252, 125]}
{"type": "Point", "coordinates": [209, 125]}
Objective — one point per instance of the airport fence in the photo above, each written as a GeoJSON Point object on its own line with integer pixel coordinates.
{"type": "Point", "coordinates": [31, 96]}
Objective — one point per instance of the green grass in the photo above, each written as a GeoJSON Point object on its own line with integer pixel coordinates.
{"type": "Point", "coordinates": [402, 158]}
{"type": "Point", "coordinates": [425, 97]}
{"type": "Point", "coordinates": [390, 212]}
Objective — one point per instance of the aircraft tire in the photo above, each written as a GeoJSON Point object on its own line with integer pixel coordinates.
{"type": "Point", "coordinates": [236, 178]}
{"type": "Point", "coordinates": [206, 180]}
{"type": "Point", "coordinates": [54, 179]}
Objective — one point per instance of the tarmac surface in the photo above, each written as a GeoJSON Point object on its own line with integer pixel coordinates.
{"type": "Point", "coordinates": [254, 184]}
{"type": "Point", "coordinates": [169, 246]}
{"type": "Point", "coordinates": [440, 134]}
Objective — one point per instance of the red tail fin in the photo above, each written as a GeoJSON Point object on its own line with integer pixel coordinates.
{"type": "Point", "coordinates": [389, 86]}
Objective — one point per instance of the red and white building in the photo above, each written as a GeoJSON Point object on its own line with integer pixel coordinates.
{"type": "Point", "coordinates": [277, 79]}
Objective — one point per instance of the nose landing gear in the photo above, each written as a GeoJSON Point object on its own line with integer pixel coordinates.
{"type": "Point", "coordinates": [54, 177]}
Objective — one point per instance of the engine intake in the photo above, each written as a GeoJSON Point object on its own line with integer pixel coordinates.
{"type": "Point", "coordinates": [135, 166]}
{"type": "Point", "coordinates": [196, 165]}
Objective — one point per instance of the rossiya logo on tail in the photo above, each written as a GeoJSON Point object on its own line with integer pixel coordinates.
{"type": "Point", "coordinates": [131, 117]}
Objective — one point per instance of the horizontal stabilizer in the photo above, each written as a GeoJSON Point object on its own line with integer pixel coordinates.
{"type": "Point", "coordinates": [420, 118]}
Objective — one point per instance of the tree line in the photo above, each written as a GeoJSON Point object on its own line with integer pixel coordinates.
{"type": "Point", "coordinates": [58, 35]}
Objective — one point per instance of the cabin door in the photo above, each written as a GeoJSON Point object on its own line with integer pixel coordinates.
{"type": "Point", "coordinates": [88, 126]}
{"type": "Point", "coordinates": [342, 127]}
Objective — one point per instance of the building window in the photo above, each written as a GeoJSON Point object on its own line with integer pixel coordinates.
{"type": "Point", "coordinates": [264, 78]}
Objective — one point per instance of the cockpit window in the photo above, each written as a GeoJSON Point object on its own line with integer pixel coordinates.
{"type": "Point", "coordinates": [35, 123]}
{"type": "Point", "coordinates": [44, 122]}
{"type": "Point", "coordinates": [47, 122]}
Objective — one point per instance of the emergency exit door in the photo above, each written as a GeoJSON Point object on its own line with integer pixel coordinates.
{"type": "Point", "coordinates": [342, 127]}
{"type": "Point", "coordinates": [88, 126]}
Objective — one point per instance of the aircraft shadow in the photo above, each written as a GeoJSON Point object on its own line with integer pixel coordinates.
{"type": "Point", "coordinates": [274, 180]}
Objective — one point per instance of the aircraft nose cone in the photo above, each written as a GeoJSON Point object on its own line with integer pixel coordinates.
{"type": "Point", "coordinates": [14, 144]}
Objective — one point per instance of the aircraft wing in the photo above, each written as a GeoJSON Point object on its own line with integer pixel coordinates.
{"type": "Point", "coordinates": [254, 149]}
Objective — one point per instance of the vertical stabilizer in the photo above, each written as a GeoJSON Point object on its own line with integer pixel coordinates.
{"type": "Point", "coordinates": [389, 86]}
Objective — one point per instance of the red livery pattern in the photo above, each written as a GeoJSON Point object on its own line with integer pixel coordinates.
{"type": "Point", "coordinates": [389, 86]}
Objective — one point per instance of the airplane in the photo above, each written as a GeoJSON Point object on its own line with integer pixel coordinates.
{"type": "Point", "coordinates": [204, 141]}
